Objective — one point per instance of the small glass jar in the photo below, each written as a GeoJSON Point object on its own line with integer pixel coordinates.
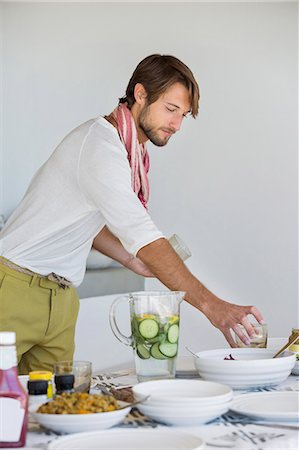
{"type": "Point", "coordinates": [37, 390]}
{"type": "Point", "coordinates": [64, 383]}
{"type": "Point", "coordinates": [294, 348]}
{"type": "Point", "coordinates": [43, 375]}
{"type": "Point", "coordinates": [294, 330]}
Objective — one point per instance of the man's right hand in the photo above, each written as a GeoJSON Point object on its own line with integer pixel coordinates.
{"type": "Point", "coordinates": [227, 316]}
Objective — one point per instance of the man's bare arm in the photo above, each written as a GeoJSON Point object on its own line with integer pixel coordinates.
{"type": "Point", "coordinates": [108, 244]}
{"type": "Point", "coordinates": [165, 264]}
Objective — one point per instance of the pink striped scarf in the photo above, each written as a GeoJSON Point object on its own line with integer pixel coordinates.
{"type": "Point", "coordinates": [137, 153]}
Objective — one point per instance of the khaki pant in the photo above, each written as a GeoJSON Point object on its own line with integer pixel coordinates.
{"type": "Point", "coordinates": [42, 314]}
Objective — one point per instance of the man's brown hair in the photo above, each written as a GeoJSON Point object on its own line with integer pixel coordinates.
{"type": "Point", "coordinates": [157, 73]}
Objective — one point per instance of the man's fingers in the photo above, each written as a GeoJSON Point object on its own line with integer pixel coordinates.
{"type": "Point", "coordinates": [248, 327]}
{"type": "Point", "coordinates": [256, 313]}
{"type": "Point", "coordinates": [244, 338]}
{"type": "Point", "coordinates": [229, 317]}
{"type": "Point", "coordinates": [229, 338]}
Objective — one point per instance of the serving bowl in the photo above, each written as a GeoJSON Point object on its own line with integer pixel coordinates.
{"type": "Point", "coordinates": [75, 423]}
{"type": "Point", "coordinates": [250, 368]}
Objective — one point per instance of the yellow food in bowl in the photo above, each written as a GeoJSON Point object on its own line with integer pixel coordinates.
{"type": "Point", "coordinates": [79, 403]}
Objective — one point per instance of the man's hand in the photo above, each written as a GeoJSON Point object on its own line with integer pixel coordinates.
{"type": "Point", "coordinates": [137, 266]}
{"type": "Point", "coordinates": [227, 316]}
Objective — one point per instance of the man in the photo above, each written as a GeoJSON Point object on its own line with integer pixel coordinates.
{"type": "Point", "coordinates": [93, 190]}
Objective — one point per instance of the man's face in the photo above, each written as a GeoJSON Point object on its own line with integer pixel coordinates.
{"type": "Point", "coordinates": [161, 119]}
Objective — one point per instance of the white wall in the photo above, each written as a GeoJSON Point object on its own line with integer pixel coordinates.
{"type": "Point", "coordinates": [235, 183]}
{"type": "Point", "coordinates": [227, 183]}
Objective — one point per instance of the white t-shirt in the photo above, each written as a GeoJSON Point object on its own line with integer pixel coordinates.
{"type": "Point", "coordinates": [84, 185]}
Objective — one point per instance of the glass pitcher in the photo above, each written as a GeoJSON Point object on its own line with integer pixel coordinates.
{"type": "Point", "coordinates": [155, 325]}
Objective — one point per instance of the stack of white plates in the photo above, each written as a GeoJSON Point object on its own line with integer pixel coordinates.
{"type": "Point", "coordinates": [183, 402]}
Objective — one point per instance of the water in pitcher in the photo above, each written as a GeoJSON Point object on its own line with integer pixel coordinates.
{"type": "Point", "coordinates": [155, 341]}
{"type": "Point", "coordinates": [155, 328]}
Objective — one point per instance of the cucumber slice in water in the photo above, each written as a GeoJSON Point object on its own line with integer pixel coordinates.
{"type": "Point", "coordinates": [173, 333]}
{"type": "Point", "coordinates": [168, 349]}
{"type": "Point", "coordinates": [143, 352]}
{"type": "Point", "coordinates": [155, 352]}
{"type": "Point", "coordinates": [148, 328]}
{"type": "Point", "coordinates": [166, 327]}
{"type": "Point", "coordinates": [160, 338]}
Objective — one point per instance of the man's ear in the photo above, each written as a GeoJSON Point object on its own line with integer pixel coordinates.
{"type": "Point", "coordinates": [139, 93]}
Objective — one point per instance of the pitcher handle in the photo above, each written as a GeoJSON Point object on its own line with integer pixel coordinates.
{"type": "Point", "coordinates": [127, 340]}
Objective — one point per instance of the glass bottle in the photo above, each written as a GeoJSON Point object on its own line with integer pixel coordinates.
{"type": "Point", "coordinates": [13, 398]}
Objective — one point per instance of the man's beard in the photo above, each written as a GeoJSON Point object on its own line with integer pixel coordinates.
{"type": "Point", "coordinates": [150, 132]}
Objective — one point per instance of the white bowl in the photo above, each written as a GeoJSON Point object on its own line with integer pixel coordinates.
{"type": "Point", "coordinates": [74, 423]}
{"type": "Point", "coordinates": [295, 370]}
{"type": "Point", "coordinates": [182, 392]}
{"type": "Point", "coordinates": [182, 419]}
{"type": "Point", "coordinates": [252, 367]}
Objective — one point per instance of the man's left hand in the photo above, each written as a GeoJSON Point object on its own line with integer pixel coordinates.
{"type": "Point", "coordinates": [137, 266]}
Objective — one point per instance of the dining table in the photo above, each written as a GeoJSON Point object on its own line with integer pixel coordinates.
{"type": "Point", "coordinates": [229, 431]}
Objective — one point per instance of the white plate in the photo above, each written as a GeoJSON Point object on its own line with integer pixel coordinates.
{"type": "Point", "coordinates": [180, 391]}
{"type": "Point", "coordinates": [185, 420]}
{"type": "Point", "coordinates": [153, 439]}
{"type": "Point", "coordinates": [183, 410]}
{"type": "Point", "coordinates": [282, 406]}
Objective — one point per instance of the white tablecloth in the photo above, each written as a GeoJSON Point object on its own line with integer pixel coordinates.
{"type": "Point", "coordinates": [227, 432]}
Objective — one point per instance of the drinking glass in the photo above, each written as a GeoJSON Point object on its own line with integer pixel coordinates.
{"type": "Point", "coordinates": [179, 246]}
{"type": "Point", "coordinates": [155, 322]}
{"type": "Point", "coordinates": [81, 371]}
{"type": "Point", "coordinates": [258, 341]}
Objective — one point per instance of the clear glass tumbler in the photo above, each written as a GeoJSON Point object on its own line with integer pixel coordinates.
{"type": "Point", "coordinates": [258, 341]}
{"type": "Point", "coordinates": [80, 369]}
